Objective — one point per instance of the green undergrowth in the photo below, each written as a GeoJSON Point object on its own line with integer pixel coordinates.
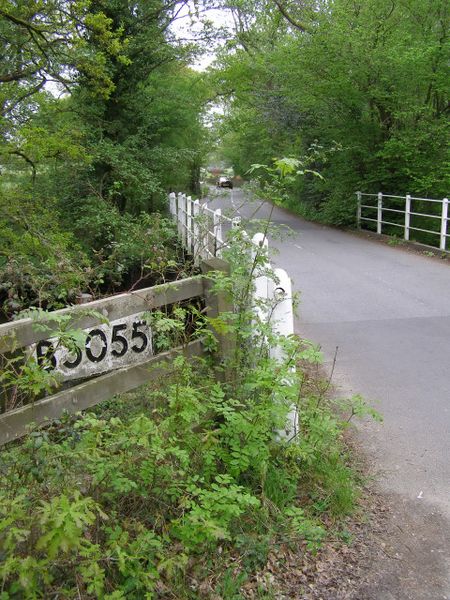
{"type": "Point", "coordinates": [182, 488]}
{"type": "Point", "coordinates": [175, 490]}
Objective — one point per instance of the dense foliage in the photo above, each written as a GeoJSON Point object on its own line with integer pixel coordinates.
{"type": "Point", "coordinates": [360, 86]}
{"type": "Point", "coordinates": [100, 117]}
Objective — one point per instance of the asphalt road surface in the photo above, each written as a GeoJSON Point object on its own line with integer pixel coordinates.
{"type": "Point", "coordinates": [388, 312]}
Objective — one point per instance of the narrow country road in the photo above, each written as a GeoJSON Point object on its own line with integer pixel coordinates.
{"type": "Point", "coordinates": [388, 312]}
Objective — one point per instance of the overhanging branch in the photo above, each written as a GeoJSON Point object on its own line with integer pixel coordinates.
{"type": "Point", "coordinates": [290, 19]}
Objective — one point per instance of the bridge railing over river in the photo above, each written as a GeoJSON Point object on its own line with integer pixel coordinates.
{"type": "Point", "coordinates": [408, 214]}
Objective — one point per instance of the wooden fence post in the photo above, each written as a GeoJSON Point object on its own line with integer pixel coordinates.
{"type": "Point", "coordinates": [218, 302]}
{"type": "Point", "coordinates": [444, 220]}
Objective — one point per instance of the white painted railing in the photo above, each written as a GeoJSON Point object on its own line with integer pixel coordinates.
{"type": "Point", "coordinates": [200, 232]}
{"type": "Point", "coordinates": [378, 211]}
{"type": "Point", "coordinates": [199, 227]}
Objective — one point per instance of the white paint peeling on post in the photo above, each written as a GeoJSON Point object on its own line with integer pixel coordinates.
{"type": "Point", "coordinates": [407, 215]}
{"type": "Point", "coordinates": [283, 324]}
{"type": "Point", "coordinates": [379, 212]}
{"type": "Point", "coordinates": [444, 221]}
{"type": "Point", "coordinates": [283, 312]}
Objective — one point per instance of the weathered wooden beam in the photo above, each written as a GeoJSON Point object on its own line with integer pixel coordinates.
{"type": "Point", "coordinates": [24, 331]}
{"type": "Point", "coordinates": [15, 424]}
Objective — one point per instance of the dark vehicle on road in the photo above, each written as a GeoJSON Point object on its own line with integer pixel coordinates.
{"type": "Point", "coordinates": [224, 182]}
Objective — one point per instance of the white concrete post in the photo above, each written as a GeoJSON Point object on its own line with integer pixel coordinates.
{"type": "Point", "coordinates": [379, 211]}
{"type": "Point", "coordinates": [407, 215]}
{"type": "Point", "coordinates": [283, 324]}
{"type": "Point", "coordinates": [358, 210]}
{"type": "Point", "coordinates": [196, 231]}
{"type": "Point", "coordinates": [217, 224]}
{"type": "Point", "coordinates": [173, 205]}
{"type": "Point", "coordinates": [189, 224]}
{"type": "Point", "coordinates": [444, 221]}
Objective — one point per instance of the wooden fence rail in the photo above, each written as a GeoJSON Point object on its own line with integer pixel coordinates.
{"type": "Point", "coordinates": [22, 333]}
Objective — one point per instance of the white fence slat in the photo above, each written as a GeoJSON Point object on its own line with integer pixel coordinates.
{"type": "Point", "coordinates": [358, 210]}
{"type": "Point", "coordinates": [379, 212]}
{"type": "Point", "coordinates": [179, 215]}
{"type": "Point", "coordinates": [196, 231]}
{"type": "Point", "coordinates": [204, 231]}
{"type": "Point", "coordinates": [189, 224]}
{"type": "Point", "coordinates": [407, 215]}
{"type": "Point", "coordinates": [173, 205]}
{"type": "Point", "coordinates": [217, 224]}
{"type": "Point", "coordinates": [185, 202]}
{"type": "Point", "coordinates": [444, 221]}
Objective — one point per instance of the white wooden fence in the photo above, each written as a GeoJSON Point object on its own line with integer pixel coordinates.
{"type": "Point", "coordinates": [376, 213]}
{"type": "Point", "coordinates": [199, 227]}
{"type": "Point", "coordinates": [201, 234]}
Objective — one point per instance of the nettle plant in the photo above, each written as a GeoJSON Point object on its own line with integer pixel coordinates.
{"type": "Point", "coordinates": [275, 181]}
{"type": "Point", "coordinates": [155, 494]}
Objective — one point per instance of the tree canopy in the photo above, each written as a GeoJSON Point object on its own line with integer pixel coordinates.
{"type": "Point", "coordinates": [100, 116]}
{"type": "Point", "coordinates": [367, 77]}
